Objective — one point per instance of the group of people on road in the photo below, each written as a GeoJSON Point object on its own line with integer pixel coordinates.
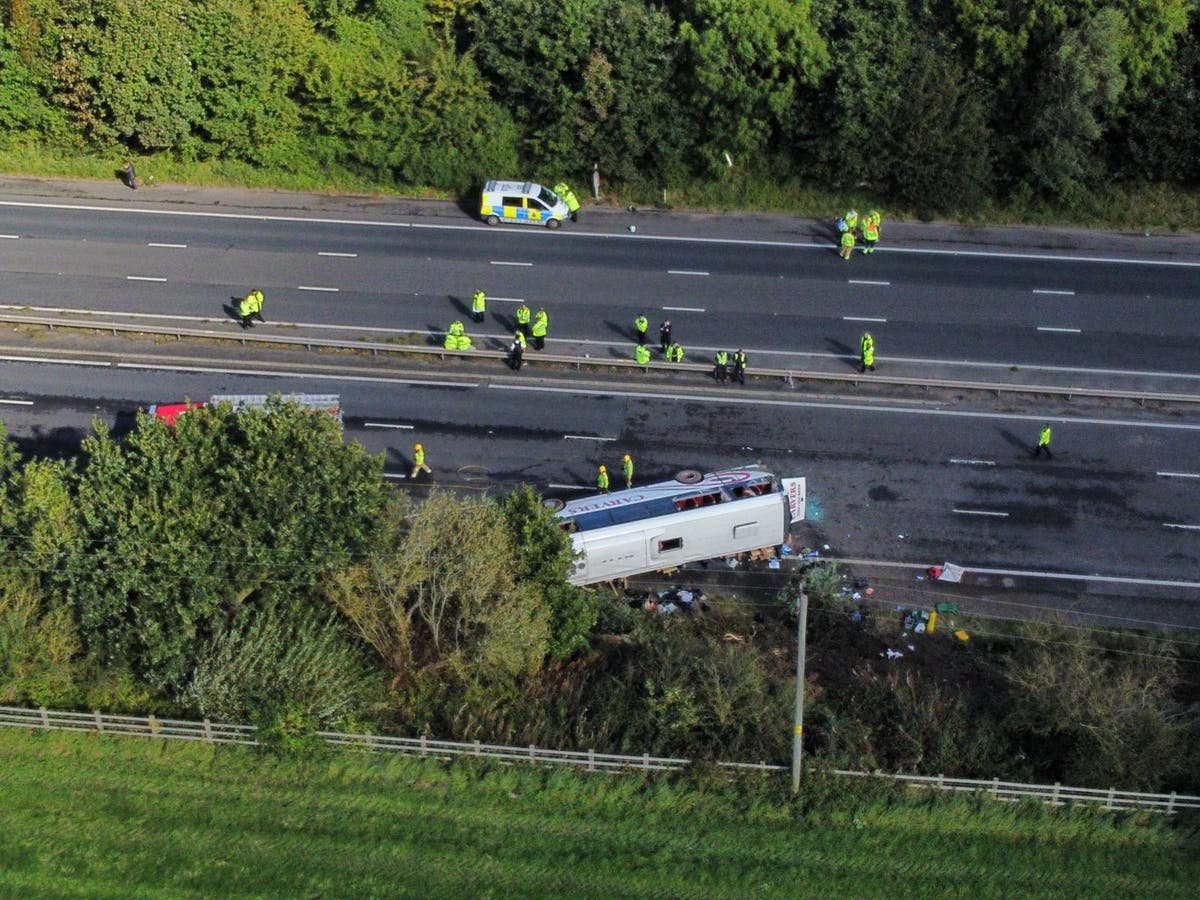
{"type": "Point", "coordinates": [867, 227]}
{"type": "Point", "coordinates": [730, 366]}
{"type": "Point", "coordinates": [602, 482]}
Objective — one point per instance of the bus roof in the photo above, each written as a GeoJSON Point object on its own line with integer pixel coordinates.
{"type": "Point", "coordinates": [654, 500]}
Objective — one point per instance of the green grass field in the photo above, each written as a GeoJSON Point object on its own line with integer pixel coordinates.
{"type": "Point", "coordinates": [82, 815]}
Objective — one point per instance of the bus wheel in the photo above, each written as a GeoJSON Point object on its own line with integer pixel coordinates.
{"type": "Point", "coordinates": [689, 476]}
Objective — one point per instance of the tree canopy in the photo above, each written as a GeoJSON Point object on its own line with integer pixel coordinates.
{"type": "Point", "coordinates": [982, 98]}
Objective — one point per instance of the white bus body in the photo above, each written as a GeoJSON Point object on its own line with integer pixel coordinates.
{"type": "Point", "coordinates": [674, 522]}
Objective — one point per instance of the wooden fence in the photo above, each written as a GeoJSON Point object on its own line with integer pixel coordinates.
{"type": "Point", "coordinates": [589, 760]}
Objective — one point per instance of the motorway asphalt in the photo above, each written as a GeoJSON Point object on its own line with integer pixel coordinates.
{"type": "Point", "coordinates": [892, 479]}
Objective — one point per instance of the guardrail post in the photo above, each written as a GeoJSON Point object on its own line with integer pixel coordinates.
{"type": "Point", "coordinates": [941, 781]}
{"type": "Point", "coordinates": [45, 717]}
{"type": "Point", "coordinates": [645, 760]}
{"type": "Point", "coordinates": [424, 744]}
{"type": "Point", "coordinates": [532, 753]}
{"type": "Point", "coordinates": [478, 749]}
{"type": "Point", "coordinates": [99, 720]}
{"type": "Point", "coordinates": [1054, 796]}
{"type": "Point", "coordinates": [995, 787]}
{"type": "Point", "coordinates": [207, 732]}
{"type": "Point", "coordinates": [1171, 805]}
{"type": "Point", "coordinates": [591, 760]}
{"type": "Point", "coordinates": [1108, 804]}
{"type": "Point", "coordinates": [153, 723]}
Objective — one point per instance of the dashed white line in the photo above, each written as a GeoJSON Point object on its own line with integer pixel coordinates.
{"type": "Point", "coordinates": [315, 287]}
{"type": "Point", "coordinates": [17, 402]}
{"type": "Point", "coordinates": [973, 462]}
{"type": "Point", "coordinates": [170, 246]}
{"type": "Point", "coordinates": [143, 278]}
{"type": "Point", "coordinates": [10, 237]}
{"type": "Point", "coordinates": [684, 308]}
{"type": "Point", "coordinates": [981, 512]}
{"type": "Point", "coordinates": [586, 437]}
{"type": "Point", "coordinates": [394, 475]}
{"type": "Point", "coordinates": [507, 299]}
{"type": "Point", "coordinates": [1058, 293]}
{"type": "Point", "coordinates": [1059, 330]}
{"type": "Point", "coordinates": [861, 319]}
{"type": "Point", "coordinates": [1184, 527]}
{"type": "Point", "coordinates": [387, 425]}
{"type": "Point", "coordinates": [685, 272]}
{"type": "Point", "coordinates": [877, 283]}
{"type": "Point", "coordinates": [1178, 474]}
{"type": "Point", "coordinates": [571, 487]}
{"type": "Point", "coordinates": [504, 262]}
{"type": "Point", "coordinates": [333, 253]}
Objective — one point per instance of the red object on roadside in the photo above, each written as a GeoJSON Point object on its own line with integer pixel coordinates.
{"type": "Point", "coordinates": [169, 412]}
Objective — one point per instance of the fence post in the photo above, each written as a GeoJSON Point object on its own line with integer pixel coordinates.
{"type": "Point", "coordinates": [591, 760]}
{"type": "Point", "coordinates": [478, 749]}
{"type": "Point", "coordinates": [1108, 804]}
{"type": "Point", "coordinates": [207, 732]}
{"type": "Point", "coordinates": [941, 781]}
{"type": "Point", "coordinates": [645, 760]}
{"type": "Point", "coordinates": [45, 718]}
{"type": "Point", "coordinates": [153, 723]}
{"type": "Point", "coordinates": [99, 720]}
{"type": "Point", "coordinates": [1054, 796]}
{"type": "Point", "coordinates": [424, 744]}
{"type": "Point", "coordinates": [995, 787]}
{"type": "Point", "coordinates": [1171, 805]}
{"type": "Point", "coordinates": [532, 753]}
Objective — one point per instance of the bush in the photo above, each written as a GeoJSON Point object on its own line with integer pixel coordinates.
{"type": "Point", "coordinates": [283, 659]}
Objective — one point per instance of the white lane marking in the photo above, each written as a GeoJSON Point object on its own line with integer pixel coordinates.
{"type": "Point", "coordinates": [733, 399]}
{"type": "Point", "coordinates": [57, 362]}
{"type": "Point", "coordinates": [571, 487]}
{"type": "Point", "coordinates": [1059, 330]}
{"type": "Point", "coordinates": [1028, 573]}
{"type": "Point", "coordinates": [315, 287]}
{"type": "Point", "coordinates": [1185, 527]}
{"type": "Point", "coordinates": [507, 299]}
{"type": "Point", "coordinates": [333, 253]}
{"type": "Point", "coordinates": [605, 235]}
{"type": "Point", "coordinates": [1178, 474]}
{"type": "Point", "coordinates": [973, 462]}
{"type": "Point", "coordinates": [267, 373]}
{"type": "Point", "coordinates": [10, 237]}
{"type": "Point", "coordinates": [1057, 293]}
{"type": "Point", "coordinates": [684, 308]}
{"type": "Point", "coordinates": [143, 278]}
{"type": "Point", "coordinates": [685, 272]}
{"type": "Point", "coordinates": [980, 512]}
{"type": "Point", "coordinates": [878, 283]}
{"type": "Point", "coordinates": [386, 425]}
{"type": "Point", "coordinates": [506, 262]}
{"type": "Point", "coordinates": [394, 475]}
{"type": "Point", "coordinates": [861, 319]}
{"type": "Point", "coordinates": [171, 246]}
{"type": "Point", "coordinates": [586, 437]}
{"type": "Point", "coordinates": [17, 402]}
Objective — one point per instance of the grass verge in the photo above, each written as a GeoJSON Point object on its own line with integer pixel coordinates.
{"type": "Point", "coordinates": [1145, 207]}
{"type": "Point", "coordinates": [98, 816]}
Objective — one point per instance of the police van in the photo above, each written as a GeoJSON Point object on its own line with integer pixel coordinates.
{"type": "Point", "coordinates": [526, 203]}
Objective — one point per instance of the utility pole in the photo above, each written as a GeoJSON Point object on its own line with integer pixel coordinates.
{"type": "Point", "coordinates": [798, 731]}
